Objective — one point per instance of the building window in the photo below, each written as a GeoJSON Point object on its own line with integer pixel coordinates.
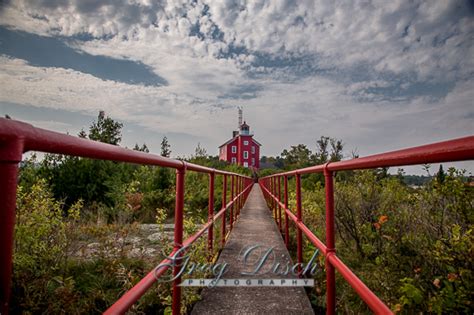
{"type": "Point", "coordinates": [234, 160]}
{"type": "Point", "coordinates": [246, 143]}
{"type": "Point", "coordinates": [234, 149]}
{"type": "Point", "coordinates": [253, 161]}
{"type": "Point", "coordinates": [253, 149]}
{"type": "Point", "coordinates": [246, 154]}
{"type": "Point", "coordinates": [246, 164]}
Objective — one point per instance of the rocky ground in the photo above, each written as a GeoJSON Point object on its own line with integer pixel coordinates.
{"type": "Point", "coordinates": [144, 240]}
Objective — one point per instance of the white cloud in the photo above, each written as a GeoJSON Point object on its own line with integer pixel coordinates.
{"type": "Point", "coordinates": [272, 53]}
{"type": "Point", "coordinates": [430, 40]}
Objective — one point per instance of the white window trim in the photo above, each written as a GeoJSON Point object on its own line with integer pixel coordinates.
{"type": "Point", "coordinates": [246, 164]}
{"type": "Point", "coordinates": [233, 160]}
{"type": "Point", "coordinates": [246, 154]}
{"type": "Point", "coordinates": [246, 142]}
{"type": "Point", "coordinates": [253, 161]}
{"type": "Point", "coordinates": [253, 149]}
{"type": "Point", "coordinates": [234, 149]}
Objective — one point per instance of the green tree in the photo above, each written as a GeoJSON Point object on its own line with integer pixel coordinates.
{"type": "Point", "coordinates": [200, 152]}
{"type": "Point", "coordinates": [298, 156]}
{"type": "Point", "coordinates": [328, 149]}
{"type": "Point", "coordinates": [106, 130]}
{"type": "Point", "coordinates": [143, 148]}
{"type": "Point", "coordinates": [82, 134]}
{"type": "Point", "coordinates": [165, 147]}
{"type": "Point", "coordinates": [72, 178]}
{"type": "Point", "coordinates": [440, 177]}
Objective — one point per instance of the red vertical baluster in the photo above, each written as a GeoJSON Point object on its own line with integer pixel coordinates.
{"type": "Point", "coordinates": [239, 190]}
{"type": "Point", "coordinates": [265, 183]}
{"type": "Point", "coordinates": [242, 201]}
{"type": "Point", "coordinates": [299, 215]}
{"type": "Point", "coordinates": [210, 216]}
{"type": "Point", "coordinates": [330, 243]}
{"type": "Point", "coordinates": [270, 181]}
{"type": "Point", "coordinates": [224, 201]}
{"type": "Point", "coordinates": [242, 190]}
{"type": "Point", "coordinates": [287, 236]}
{"type": "Point", "coordinates": [178, 237]}
{"type": "Point", "coordinates": [279, 201]}
{"type": "Point", "coordinates": [269, 187]}
{"type": "Point", "coordinates": [273, 198]}
{"type": "Point", "coordinates": [10, 156]}
{"type": "Point", "coordinates": [237, 194]}
{"type": "Point", "coordinates": [232, 194]}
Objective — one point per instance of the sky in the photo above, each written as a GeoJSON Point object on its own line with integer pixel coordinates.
{"type": "Point", "coordinates": [380, 75]}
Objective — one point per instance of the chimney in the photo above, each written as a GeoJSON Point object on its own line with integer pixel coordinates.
{"type": "Point", "coordinates": [240, 117]}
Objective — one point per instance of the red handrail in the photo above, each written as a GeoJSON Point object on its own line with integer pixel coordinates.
{"type": "Point", "coordinates": [461, 149]}
{"type": "Point", "coordinates": [17, 138]}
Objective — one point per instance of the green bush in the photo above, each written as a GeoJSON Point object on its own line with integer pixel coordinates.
{"type": "Point", "coordinates": [412, 247]}
{"type": "Point", "coordinates": [41, 249]}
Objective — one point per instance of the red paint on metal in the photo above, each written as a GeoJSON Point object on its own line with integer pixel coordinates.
{"type": "Point", "coordinates": [237, 210]}
{"type": "Point", "coordinates": [178, 238]}
{"type": "Point", "coordinates": [275, 208]}
{"type": "Point", "coordinates": [461, 149]}
{"type": "Point", "coordinates": [10, 155]}
{"type": "Point", "coordinates": [210, 219]}
{"type": "Point", "coordinates": [330, 243]}
{"type": "Point", "coordinates": [18, 137]}
{"type": "Point", "coordinates": [299, 215]}
{"type": "Point", "coordinates": [448, 151]}
{"type": "Point", "coordinates": [314, 240]}
{"type": "Point", "coordinates": [132, 295]}
{"type": "Point", "coordinates": [375, 304]}
{"type": "Point", "coordinates": [279, 207]}
{"type": "Point", "coordinates": [232, 192]}
{"type": "Point", "coordinates": [224, 196]}
{"type": "Point", "coordinates": [287, 231]}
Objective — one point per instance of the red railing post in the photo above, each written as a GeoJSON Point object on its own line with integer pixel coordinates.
{"type": "Point", "coordinates": [178, 236]}
{"type": "Point", "coordinates": [210, 216]}
{"type": "Point", "coordinates": [275, 209]}
{"type": "Point", "coordinates": [270, 186]}
{"type": "Point", "coordinates": [10, 155]}
{"type": "Point", "coordinates": [287, 236]}
{"type": "Point", "coordinates": [330, 243]}
{"type": "Point", "coordinates": [242, 187]}
{"type": "Point", "coordinates": [299, 215]}
{"type": "Point", "coordinates": [237, 208]}
{"type": "Point", "coordinates": [241, 202]}
{"type": "Point", "coordinates": [267, 185]}
{"type": "Point", "coordinates": [279, 201]}
{"type": "Point", "coordinates": [270, 189]}
{"type": "Point", "coordinates": [224, 201]}
{"type": "Point", "coordinates": [232, 194]}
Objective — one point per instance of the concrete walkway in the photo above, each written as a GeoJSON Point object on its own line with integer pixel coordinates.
{"type": "Point", "coordinates": [254, 226]}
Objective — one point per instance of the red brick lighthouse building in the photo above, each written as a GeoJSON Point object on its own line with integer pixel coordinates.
{"type": "Point", "coordinates": [242, 149]}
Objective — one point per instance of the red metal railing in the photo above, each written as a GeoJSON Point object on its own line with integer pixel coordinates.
{"type": "Point", "coordinates": [449, 151]}
{"type": "Point", "coordinates": [17, 138]}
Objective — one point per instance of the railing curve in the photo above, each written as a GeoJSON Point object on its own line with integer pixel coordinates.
{"type": "Point", "coordinates": [460, 149]}
{"type": "Point", "coordinates": [18, 137]}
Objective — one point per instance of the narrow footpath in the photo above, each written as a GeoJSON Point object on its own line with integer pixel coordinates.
{"type": "Point", "coordinates": [254, 226]}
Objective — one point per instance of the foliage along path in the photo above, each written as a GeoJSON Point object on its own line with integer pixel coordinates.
{"type": "Point", "coordinates": [254, 226]}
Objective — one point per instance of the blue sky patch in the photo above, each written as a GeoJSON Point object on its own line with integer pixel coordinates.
{"type": "Point", "coordinates": [54, 52]}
